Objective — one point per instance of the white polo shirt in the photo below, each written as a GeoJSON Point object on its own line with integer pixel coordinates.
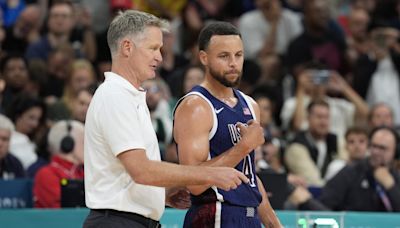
{"type": "Point", "coordinates": [118, 120]}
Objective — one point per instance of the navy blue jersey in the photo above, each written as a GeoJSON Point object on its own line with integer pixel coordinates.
{"type": "Point", "coordinates": [223, 136]}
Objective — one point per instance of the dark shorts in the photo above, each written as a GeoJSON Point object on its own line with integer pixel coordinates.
{"type": "Point", "coordinates": [221, 215]}
{"type": "Point", "coordinates": [107, 218]}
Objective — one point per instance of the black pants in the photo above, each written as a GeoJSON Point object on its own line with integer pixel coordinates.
{"type": "Point", "coordinates": [106, 218]}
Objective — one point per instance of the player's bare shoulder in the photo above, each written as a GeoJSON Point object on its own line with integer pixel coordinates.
{"type": "Point", "coordinates": [193, 105]}
{"type": "Point", "coordinates": [193, 116]}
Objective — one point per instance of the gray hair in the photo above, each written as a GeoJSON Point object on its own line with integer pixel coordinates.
{"type": "Point", "coordinates": [59, 130]}
{"type": "Point", "coordinates": [131, 23]}
{"type": "Point", "coordinates": [6, 123]}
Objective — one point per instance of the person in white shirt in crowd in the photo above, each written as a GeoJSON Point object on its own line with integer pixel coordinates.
{"type": "Point", "coordinates": [267, 32]}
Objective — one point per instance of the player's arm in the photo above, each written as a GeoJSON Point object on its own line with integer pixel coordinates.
{"type": "Point", "coordinates": [193, 121]}
{"type": "Point", "coordinates": [265, 211]}
{"type": "Point", "coordinates": [164, 174]}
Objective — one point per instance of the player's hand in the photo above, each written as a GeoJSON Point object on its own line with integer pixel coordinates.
{"type": "Point", "coordinates": [226, 178]}
{"type": "Point", "coordinates": [252, 135]}
{"type": "Point", "coordinates": [177, 197]}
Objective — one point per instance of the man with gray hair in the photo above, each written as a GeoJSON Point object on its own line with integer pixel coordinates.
{"type": "Point", "coordinates": [124, 175]}
{"type": "Point", "coordinates": [10, 166]}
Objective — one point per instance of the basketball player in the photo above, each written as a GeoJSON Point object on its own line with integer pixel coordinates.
{"type": "Point", "coordinates": [206, 123]}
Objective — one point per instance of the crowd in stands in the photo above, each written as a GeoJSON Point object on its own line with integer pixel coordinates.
{"type": "Point", "coordinates": [325, 73]}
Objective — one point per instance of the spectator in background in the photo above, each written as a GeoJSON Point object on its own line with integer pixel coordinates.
{"type": "Point", "coordinates": [311, 151]}
{"type": "Point", "coordinates": [14, 70]}
{"type": "Point", "coordinates": [357, 150]}
{"type": "Point", "coordinates": [160, 113]}
{"type": "Point", "coordinates": [369, 185]}
{"type": "Point", "coordinates": [67, 24]}
{"type": "Point", "coordinates": [81, 103]}
{"type": "Point", "coordinates": [194, 16]}
{"type": "Point", "coordinates": [60, 24]}
{"type": "Point", "coordinates": [376, 74]}
{"type": "Point", "coordinates": [298, 196]}
{"type": "Point", "coordinates": [10, 11]}
{"type": "Point", "coordinates": [267, 109]}
{"type": "Point", "coordinates": [319, 41]}
{"type": "Point", "coordinates": [25, 31]}
{"type": "Point", "coordinates": [81, 76]}
{"type": "Point", "coordinates": [193, 76]}
{"type": "Point", "coordinates": [172, 62]}
{"type": "Point", "coordinates": [381, 114]}
{"type": "Point", "coordinates": [357, 39]}
{"type": "Point", "coordinates": [103, 58]}
{"type": "Point", "coordinates": [268, 29]}
{"type": "Point", "coordinates": [58, 70]}
{"type": "Point", "coordinates": [10, 166]}
{"type": "Point", "coordinates": [83, 38]}
{"type": "Point", "coordinates": [267, 32]}
{"type": "Point", "coordinates": [269, 157]}
{"type": "Point", "coordinates": [44, 155]}
{"type": "Point", "coordinates": [29, 115]}
{"type": "Point", "coordinates": [314, 83]}
{"type": "Point", "coordinates": [185, 79]}
{"type": "Point", "coordinates": [66, 162]}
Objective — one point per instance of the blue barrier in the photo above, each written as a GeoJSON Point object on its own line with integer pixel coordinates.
{"type": "Point", "coordinates": [172, 218]}
{"type": "Point", "coordinates": [16, 193]}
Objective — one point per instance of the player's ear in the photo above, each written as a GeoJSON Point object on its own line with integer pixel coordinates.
{"type": "Point", "coordinates": [203, 58]}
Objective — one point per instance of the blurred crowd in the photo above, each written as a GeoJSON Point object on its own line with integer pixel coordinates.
{"type": "Point", "coordinates": [325, 73]}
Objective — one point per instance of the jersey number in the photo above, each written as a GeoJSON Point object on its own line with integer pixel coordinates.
{"type": "Point", "coordinates": [248, 170]}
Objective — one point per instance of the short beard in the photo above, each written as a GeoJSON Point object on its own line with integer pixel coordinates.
{"type": "Point", "coordinates": [221, 79]}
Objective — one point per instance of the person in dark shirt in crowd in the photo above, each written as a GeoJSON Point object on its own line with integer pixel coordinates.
{"type": "Point", "coordinates": [356, 147]}
{"type": "Point", "coordinates": [311, 151]}
{"type": "Point", "coordinates": [14, 70]}
{"type": "Point", "coordinates": [64, 28]}
{"type": "Point", "coordinates": [371, 184]}
{"type": "Point", "coordinates": [10, 166]}
{"type": "Point", "coordinates": [320, 41]}
{"type": "Point", "coordinates": [25, 30]}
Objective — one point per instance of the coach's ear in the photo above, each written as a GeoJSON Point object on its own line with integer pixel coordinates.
{"type": "Point", "coordinates": [203, 58]}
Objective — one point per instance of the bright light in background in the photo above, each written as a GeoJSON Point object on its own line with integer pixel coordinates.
{"type": "Point", "coordinates": [302, 223]}
{"type": "Point", "coordinates": [327, 222]}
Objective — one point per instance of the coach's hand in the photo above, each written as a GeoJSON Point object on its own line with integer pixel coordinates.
{"type": "Point", "coordinates": [226, 178]}
{"type": "Point", "coordinates": [252, 135]}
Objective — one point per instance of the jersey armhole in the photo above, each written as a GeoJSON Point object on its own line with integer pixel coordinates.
{"type": "Point", "coordinates": [215, 120]}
